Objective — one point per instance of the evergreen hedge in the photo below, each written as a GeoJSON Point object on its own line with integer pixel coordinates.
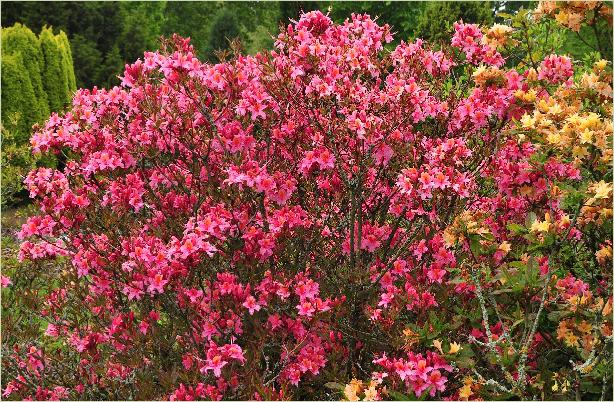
{"type": "Point", "coordinates": [37, 78]}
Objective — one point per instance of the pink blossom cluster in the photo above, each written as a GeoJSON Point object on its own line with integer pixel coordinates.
{"type": "Point", "coordinates": [420, 373]}
{"type": "Point", "coordinates": [468, 38]}
{"type": "Point", "coordinates": [555, 69]}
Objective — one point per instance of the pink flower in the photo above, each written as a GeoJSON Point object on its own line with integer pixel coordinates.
{"type": "Point", "coordinates": [436, 381]}
{"type": "Point", "coordinates": [421, 369]}
{"type": "Point", "coordinates": [251, 304]}
{"type": "Point", "coordinates": [52, 330]}
{"type": "Point", "coordinates": [6, 281]}
{"type": "Point", "coordinates": [156, 284]}
{"type": "Point", "coordinates": [306, 309]}
{"type": "Point", "coordinates": [555, 69]}
{"type": "Point", "coordinates": [436, 274]}
{"type": "Point", "coordinates": [216, 363]}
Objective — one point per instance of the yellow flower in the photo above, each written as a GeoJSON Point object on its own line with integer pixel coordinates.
{"type": "Point", "coordinates": [531, 94]}
{"type": "Point", "coordinates": [543, 106]}
{"type": "Point", "coordinates": [585, 327]}
{"type": "Point", "coordinates": [454, 348]}
{"type": "Point", "coordinates": [574, 20]}
{"type": "Point", "coordinates": [505, 247]}
{"type": "Point", "coordinates": [554, 138]}
{"type": "Point", "coordinates": [555, 109]}
{"type": "Point", "coordinates": [588, 341]}
{"type": "Point", "coordinates": [574, 119]}
{"type": "Point", "coordinates": [532, 75]}
{"type": "Point", "coordinates": [600, 65]}
{"type": "Point", "coordinates": [589, 80]}
{"type": "Point", "coordinates": [579, 152]}
{"type": "Point", "coordinates": [602, 189]}
{"type": "Point", "coordinates": [465, 392]}
{"type": "Point", "coordinates": [590, 120]}
{"type": "Point", "coordinates": [370, 394]}
{"type": "Point", "coordinates": [604, 254]}
{"type": "Point", "coordinates": [410, 337]}
{"type": "Point", "coordinates": [571, 339]}
{"type": "Point", "coordinates": [527, 121]}
{"type": "Point", "coordinates": [561, 331]}
{"type": "Point", "coordinates": [540, 226]}
{"type": "Point", "coordinates": [562, 18]}
{"type": "Point", "coordinates": [497, 35]}
{"type": "Point", "coordinates": [352, 389]}
{"type": "Point", "coordinates": [564, 220]}
{"type": "Point", "coordinates": [437, 345]}
{"type": "Point", "coordinates": [478, 71]}
{"type": "Point", "coordinates": [607, 310]}
{"type": "Point", "coordinates": [449, 236]}
{"type": "Point", "coordinates": [586, 136]}
{"type": "Point", "coordinates": [526, 190]}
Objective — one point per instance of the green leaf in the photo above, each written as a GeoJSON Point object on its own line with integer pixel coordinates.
{"type": "Point", "coordinates": [516, 228]}
{"type": "Point", "coordinates": [505, 15]}
{"type": "Point", "coordinates": [518, 264]}
{"type": "Point", "coordinates": [334, 385]}
{"type": "Point", "coordinates": [465, 362]}
{"type": "Point", "coordinates": [531, 217]}
{"type": "Point", "coordinates": [475, 245]}
{"type": "Point", "coordinates": [501, 291]}
{"type": "Point", "coordinates": [398, 396]}
{"type": "Point", "coordinates": [557, 316]}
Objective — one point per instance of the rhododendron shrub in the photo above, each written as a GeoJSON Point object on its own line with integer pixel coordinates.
{"type": "Point", "coordinates": [279, 225]}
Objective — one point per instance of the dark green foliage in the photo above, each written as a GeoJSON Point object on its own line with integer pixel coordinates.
{"type": "Point", "coordinates": [401, 15]}
{"type": "Point", "coordinates": [20, 39]}
{"type": "Point", "coordinates": [87, 59]}
{"type": "Point", "coordinates": [54, 75]}
{"type": "Point", "coordinates": [93, 29]}
{"type": "Point", "coordinates": [597, 38]}
{"type": "Point", "coordinates": [225, 28]}
{"type": "Point", "coordinates": [111, 67]}
{"type": "Point", "coordinates": [180, 19]}
{"type": "Point", "coordinates": [141, 24]}
{"type": "Point", "coordinates": [291, 10]}
{"type": "Point", "coordinates": [20, 107]}
{"type": "Point", "coordinates": [436, 22]}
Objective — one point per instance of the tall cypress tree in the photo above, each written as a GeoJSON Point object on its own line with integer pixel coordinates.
{"type": "Point", "coordinates": [20, 39]}
{"type": "Point", "coordinates": [19, 103]}
{"type": "Point", "coordinates": [64, 44]}
{"type": "Point", "coordinates": [54, 75]}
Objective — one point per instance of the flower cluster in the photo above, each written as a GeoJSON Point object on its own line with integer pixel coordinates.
{"type": "Point", "coordinates": [573, 14]}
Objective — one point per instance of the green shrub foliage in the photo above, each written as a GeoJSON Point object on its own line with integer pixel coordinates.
{"type": "Point", "coordinates": [37, 78]}
{"type": "Point", "coordinates": [67, 61]}
{"type": "Point", "coordinates": [55, 80]}
{"type": "Point", "coordinates": [435, 22]}
{"type": "Point", "coordinates": [19, 38]}
{"type": "Point", "coordinates": [20, 106]}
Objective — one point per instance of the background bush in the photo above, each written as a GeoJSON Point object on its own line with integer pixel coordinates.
{"type": "Point", "coordinates": [37, 78]}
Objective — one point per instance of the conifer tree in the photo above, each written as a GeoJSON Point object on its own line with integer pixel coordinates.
{"type": "Point", "coordinates": [64, 44]}
{"type": "Point", "coordinates": [54, 76]}
{"type": "Point", "coordinates": [19, 38]}
{"type": "Point", "coordinates": [19, 103]}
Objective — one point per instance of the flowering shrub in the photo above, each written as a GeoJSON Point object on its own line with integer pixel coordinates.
{"type": "Point", "coordinates": [327, 219]}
